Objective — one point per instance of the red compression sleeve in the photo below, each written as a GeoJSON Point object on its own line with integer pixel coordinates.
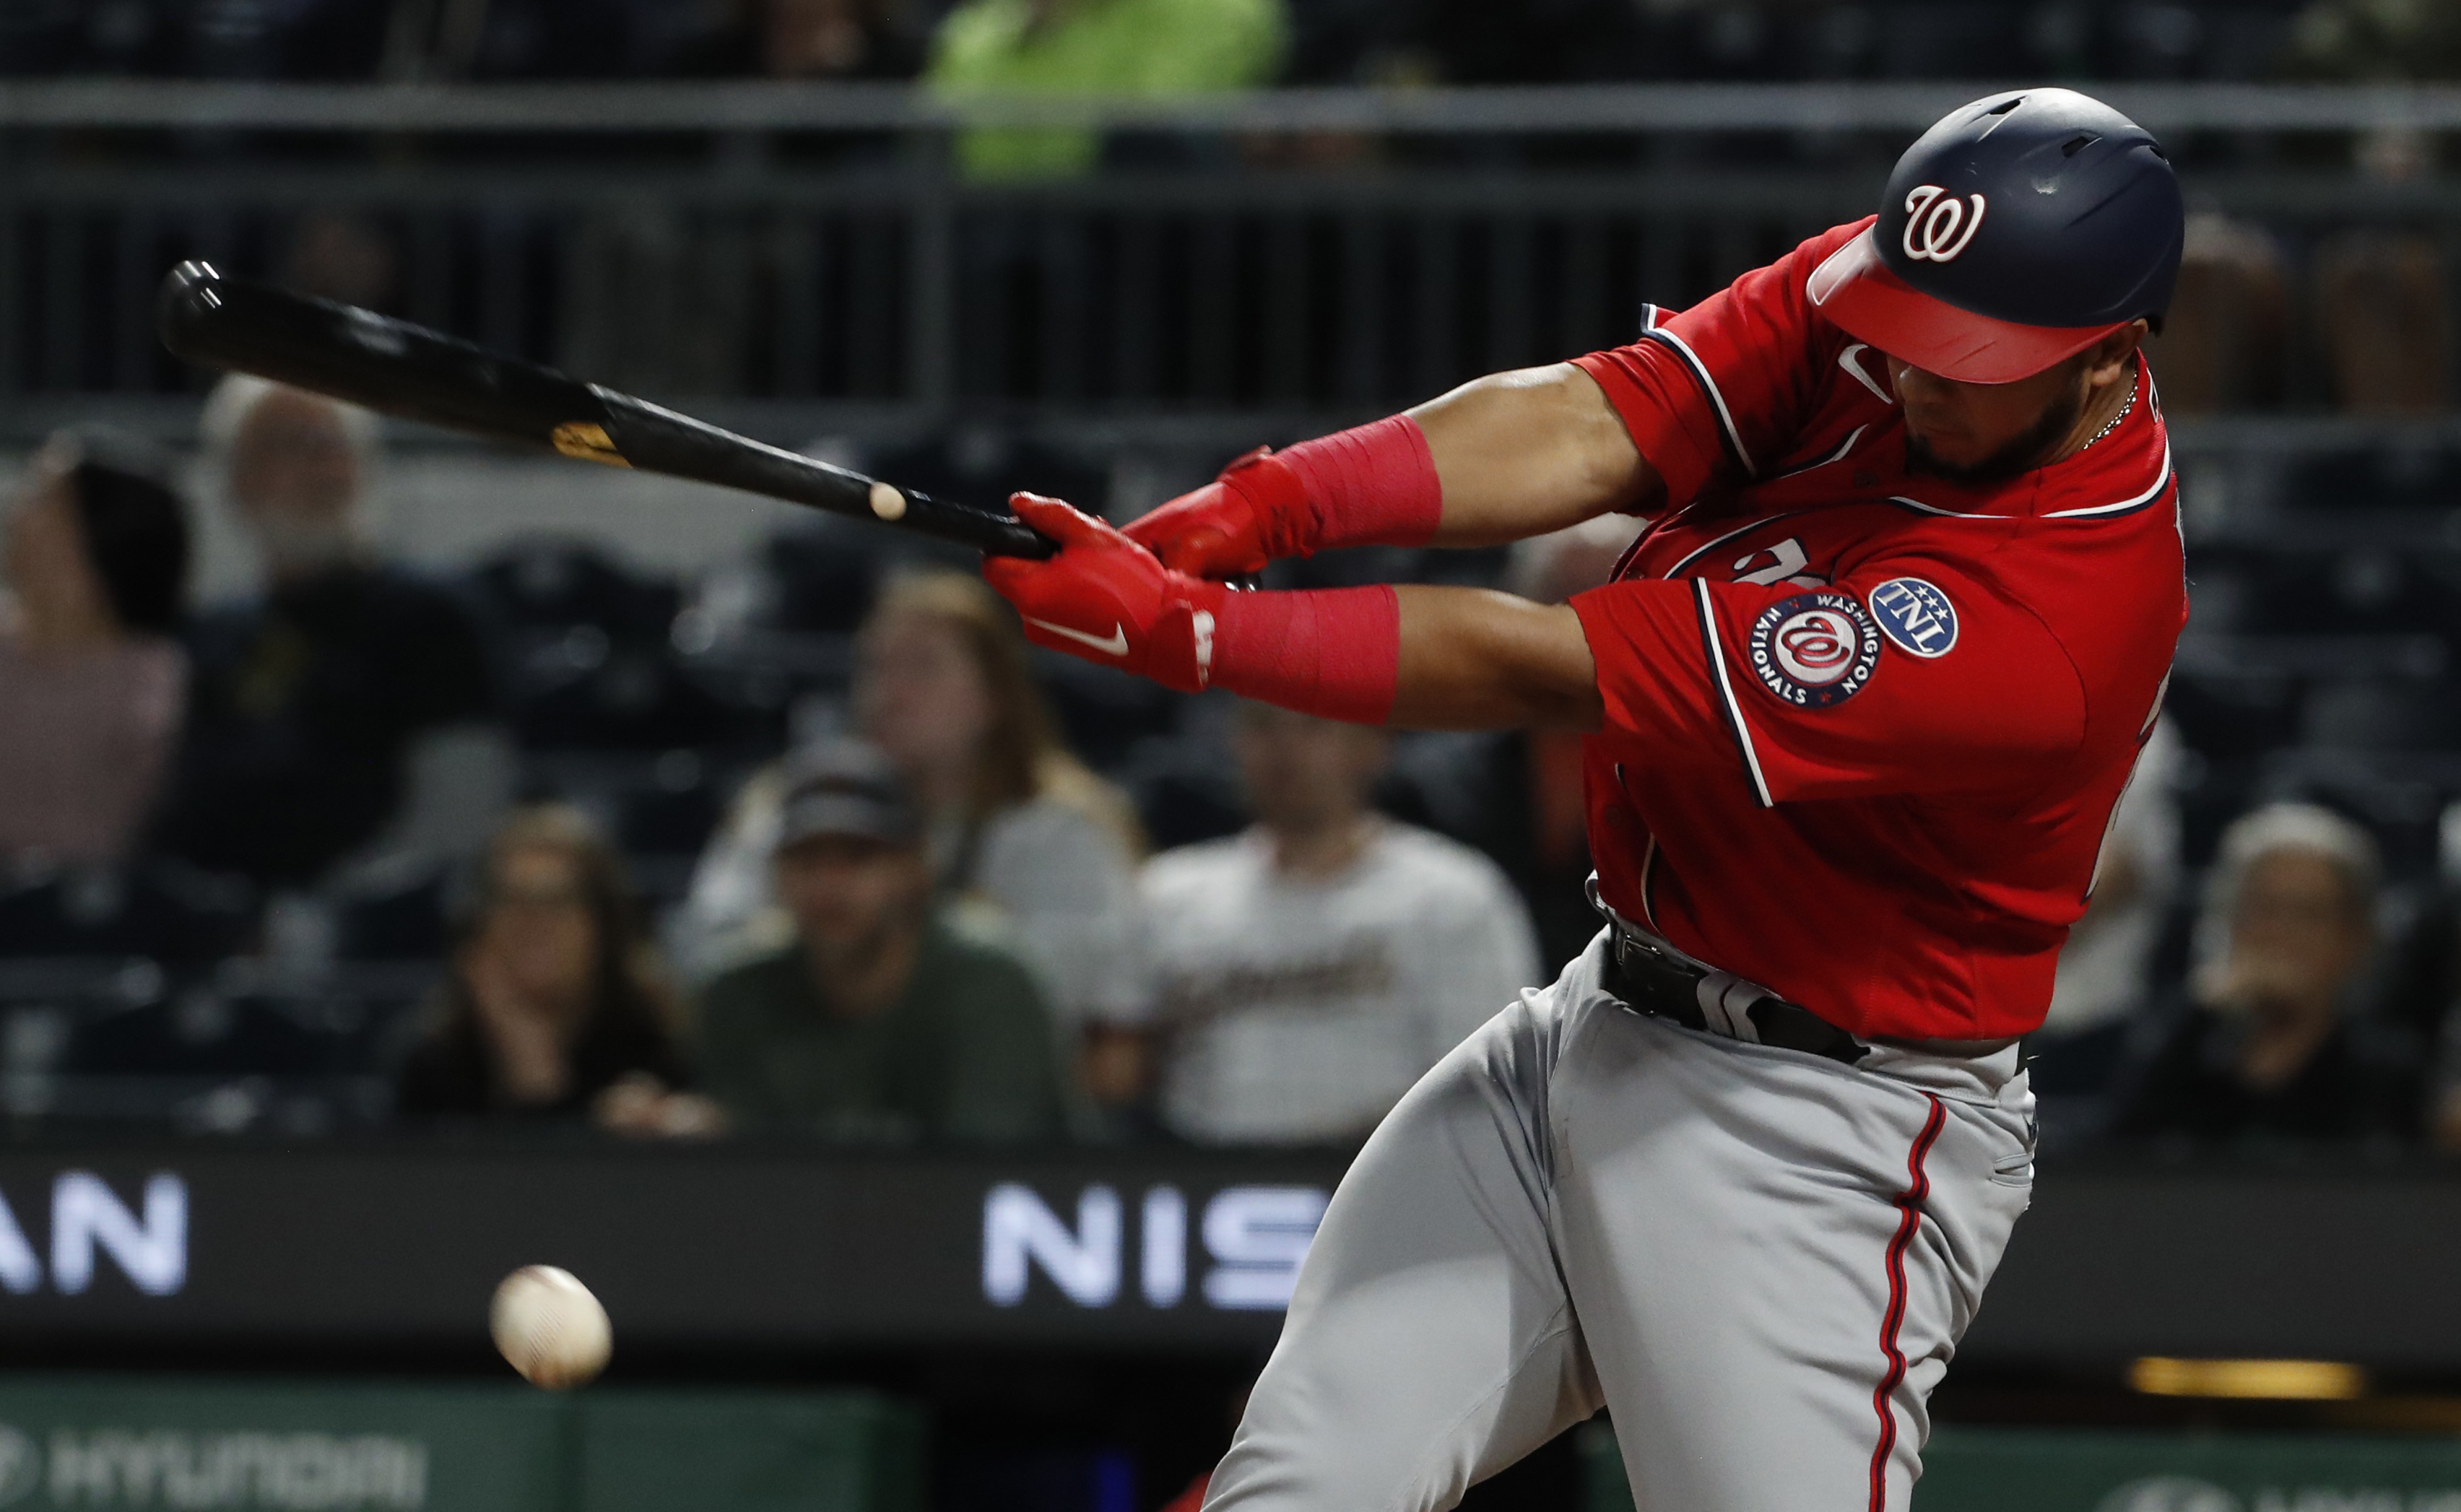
{"type": "Point", "coordinates": [1371, 486]}
{"type": "Point", "coordinates": [1335, 652]}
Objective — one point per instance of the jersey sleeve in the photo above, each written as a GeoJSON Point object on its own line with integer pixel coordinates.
{"type": "Point", "coordinates": [1721, 385]}
{"type": "Point", "coordinates": [1904, 677]}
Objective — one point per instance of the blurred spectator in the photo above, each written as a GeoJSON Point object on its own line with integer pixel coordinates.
{"type": "Point", "coordinates": [2443, 1126]}
{"type": "Point", "coordinates": [1307, 972]}
{"type": "Point", "coordinates": [1014, 824]}
{"type": "Point", "coordinates": [880, 1021]}
{"type": "Point", "coordinates": [97, 563]}
{"type": "Point", "coordinates": [1516, 794]}
{"type": "Point", "coordinates": [2381, 306]}
{"type": "Point", "coordinates": [2106, 969]}
{"type": "Point", "coordinates": [556, 1004]}
{"type": "Point", "coordinates": [310, 699]}
{"type": "Point", "coordinates": [1094, 47]}
{"type": "Point", "coordinates": [2222, 346]}
{"type": "Point", "coordinates": [334, 254]}
{"type": "Point", "coordinates": [2270, 1046]}
{"type": "Point", "coordinates": [318, 39]}
{"type": "Point", "coordinates": [2423, 985]}
{"type": "Point", "coordinates": [2371, 40]}
{"type": "Point", "coordinates": [808, 39]}
{"type": "Point", "coordinates": [652, 299]}
{"type": "Point", "coordinates": [1567, 41]}
{"type": "Point", "coordinates": [439, 40]}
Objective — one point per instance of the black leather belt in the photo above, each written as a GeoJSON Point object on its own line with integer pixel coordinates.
{"type": "Point", "coordinates": [1653, 981]}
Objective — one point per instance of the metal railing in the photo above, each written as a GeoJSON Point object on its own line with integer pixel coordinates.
{"type": "Point", "coordinates": [863, 275]}
{"type": "Point", "coordinates": [761, 105]}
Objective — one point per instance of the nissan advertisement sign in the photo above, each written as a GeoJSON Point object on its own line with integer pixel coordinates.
{"type": "Point", "coordinates": [686, 1247]}
{"type": "Point", "coordinates": [725, 1247]}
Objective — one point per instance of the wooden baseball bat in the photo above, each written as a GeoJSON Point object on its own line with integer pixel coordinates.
{"type": "Point", "coordinates": [401, 369]}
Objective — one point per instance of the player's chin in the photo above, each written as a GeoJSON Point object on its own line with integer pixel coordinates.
{"type": "Point", "coordinates": [1950, 451]}
{"type": "Point", "coordinates": [1945, 439]}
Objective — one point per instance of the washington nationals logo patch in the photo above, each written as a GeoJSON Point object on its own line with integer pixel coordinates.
{"type": "Point", "coordinates": [1917, 615]}
{"type": "Point", "coordinates": [1814, 650]}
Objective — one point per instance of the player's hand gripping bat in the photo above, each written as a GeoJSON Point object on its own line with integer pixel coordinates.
{"type": "Point", "coordinates": [422, 375]}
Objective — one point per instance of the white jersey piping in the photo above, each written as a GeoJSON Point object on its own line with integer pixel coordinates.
{"type": "Point", "coordinates": [1653, 331]}
{"type": "Point", "coordinates": [1726, 692]}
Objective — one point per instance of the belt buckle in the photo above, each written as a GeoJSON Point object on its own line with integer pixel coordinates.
{"type": "Point", "coordinates": [1629, 943]}
{"type": "Point", "coordinates": [1720, 1001]}
{"type": "Point", "coordinates": [1655, 981]}
{"type": "Point", "coordinates": [1636, 957]}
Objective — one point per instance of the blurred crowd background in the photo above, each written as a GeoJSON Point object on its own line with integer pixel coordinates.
{"type": "Point", "coordinates": [1164, 44]}
{"type": "Point", "coordinates": [352, 778]}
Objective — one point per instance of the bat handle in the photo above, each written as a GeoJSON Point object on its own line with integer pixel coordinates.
{"type": "Point", "coordinates": [993, 533]}
{"type": "Point", "coordinates": [1011, 537]}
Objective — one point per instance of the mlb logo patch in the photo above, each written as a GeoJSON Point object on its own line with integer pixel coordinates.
{"type": "Point", "coordinates": [1917, 615]}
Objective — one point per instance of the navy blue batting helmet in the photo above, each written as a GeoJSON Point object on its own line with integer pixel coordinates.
{"type": "Point", "coordinates": [2017, 232]}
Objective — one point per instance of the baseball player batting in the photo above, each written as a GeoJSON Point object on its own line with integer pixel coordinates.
{"type": "Point", "coordinates": [1859, 704]}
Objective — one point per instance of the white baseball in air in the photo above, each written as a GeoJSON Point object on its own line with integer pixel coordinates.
{"type": "Point", "coordinates": [888, 502]}
{"type": "Point", "coordinates": [550, 1328]}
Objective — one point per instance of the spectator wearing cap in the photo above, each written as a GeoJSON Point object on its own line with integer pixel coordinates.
{"type": "Point", "coordinates": [93, 683]}
{"type": "Point", "coordinates": [882, 1021]}
{"type": "Point", "coordinates": [2269, 1046]}
{"type": "Point", "coordinates": [311, 698]}
{"type": "Point", "coordinates": [1015, 827]}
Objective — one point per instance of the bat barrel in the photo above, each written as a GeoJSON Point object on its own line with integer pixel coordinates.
{"type": "Point", "coordinates": [401, 369]}
{"type": "Point", "coordinates": [368, 359]}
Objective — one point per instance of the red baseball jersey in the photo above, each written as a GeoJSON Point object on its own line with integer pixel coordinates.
{"type": "Point", "coordinates": [1865, 728]}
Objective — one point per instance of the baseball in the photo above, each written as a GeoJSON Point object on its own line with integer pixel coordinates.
{"type": "Point", "coordinates": [550, 1328]}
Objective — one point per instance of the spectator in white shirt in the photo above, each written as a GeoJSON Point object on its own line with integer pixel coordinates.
{"type": "Point", "coordinates": [1306, 972]}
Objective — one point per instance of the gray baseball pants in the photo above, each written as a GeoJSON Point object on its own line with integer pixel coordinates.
{"type": "Point", "coordinates": [1761, 1260]}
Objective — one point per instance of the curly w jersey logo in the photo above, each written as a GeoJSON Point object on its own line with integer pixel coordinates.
{"type": "Point", "coordinates": [1939, 224]}
{"type": "Point", "coordinates": [1814, 650]}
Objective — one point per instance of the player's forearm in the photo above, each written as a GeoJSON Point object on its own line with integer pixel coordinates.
{"type": "Point", "coordinates": [1511, 455]}
{"type": "Point", "coordinates": [1521, 453]}
{"type": "Point", "coordinates": [1422, 657]}
{"type": "Point", "coordinates": [1470, 659]}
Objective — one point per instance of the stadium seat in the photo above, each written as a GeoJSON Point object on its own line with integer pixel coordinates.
{"type": "Point", "coordinates": [159, 911]}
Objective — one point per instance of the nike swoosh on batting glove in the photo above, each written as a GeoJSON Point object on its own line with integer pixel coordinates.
{"type": "Point", "coordinates": [1105, 599]}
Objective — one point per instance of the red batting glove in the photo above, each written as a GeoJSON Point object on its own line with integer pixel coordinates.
{"type": "Point", "coordinates": [1255, 512]}
{"type": "Point", "coordinates": [1333, 651]}
{"type": "Point", "coordinates": [1105, 598]}
{"type": "Point", "coordinates": [1368, 486]}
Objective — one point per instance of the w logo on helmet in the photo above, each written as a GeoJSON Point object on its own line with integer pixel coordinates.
{"type": "Point", "coordinates": [1937, 224]}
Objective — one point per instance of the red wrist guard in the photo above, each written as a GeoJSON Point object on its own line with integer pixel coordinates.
{"type": "Point", "coordinates": [1335, 653]}
{"type": "Point", "coordinates": [1375, 485]}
